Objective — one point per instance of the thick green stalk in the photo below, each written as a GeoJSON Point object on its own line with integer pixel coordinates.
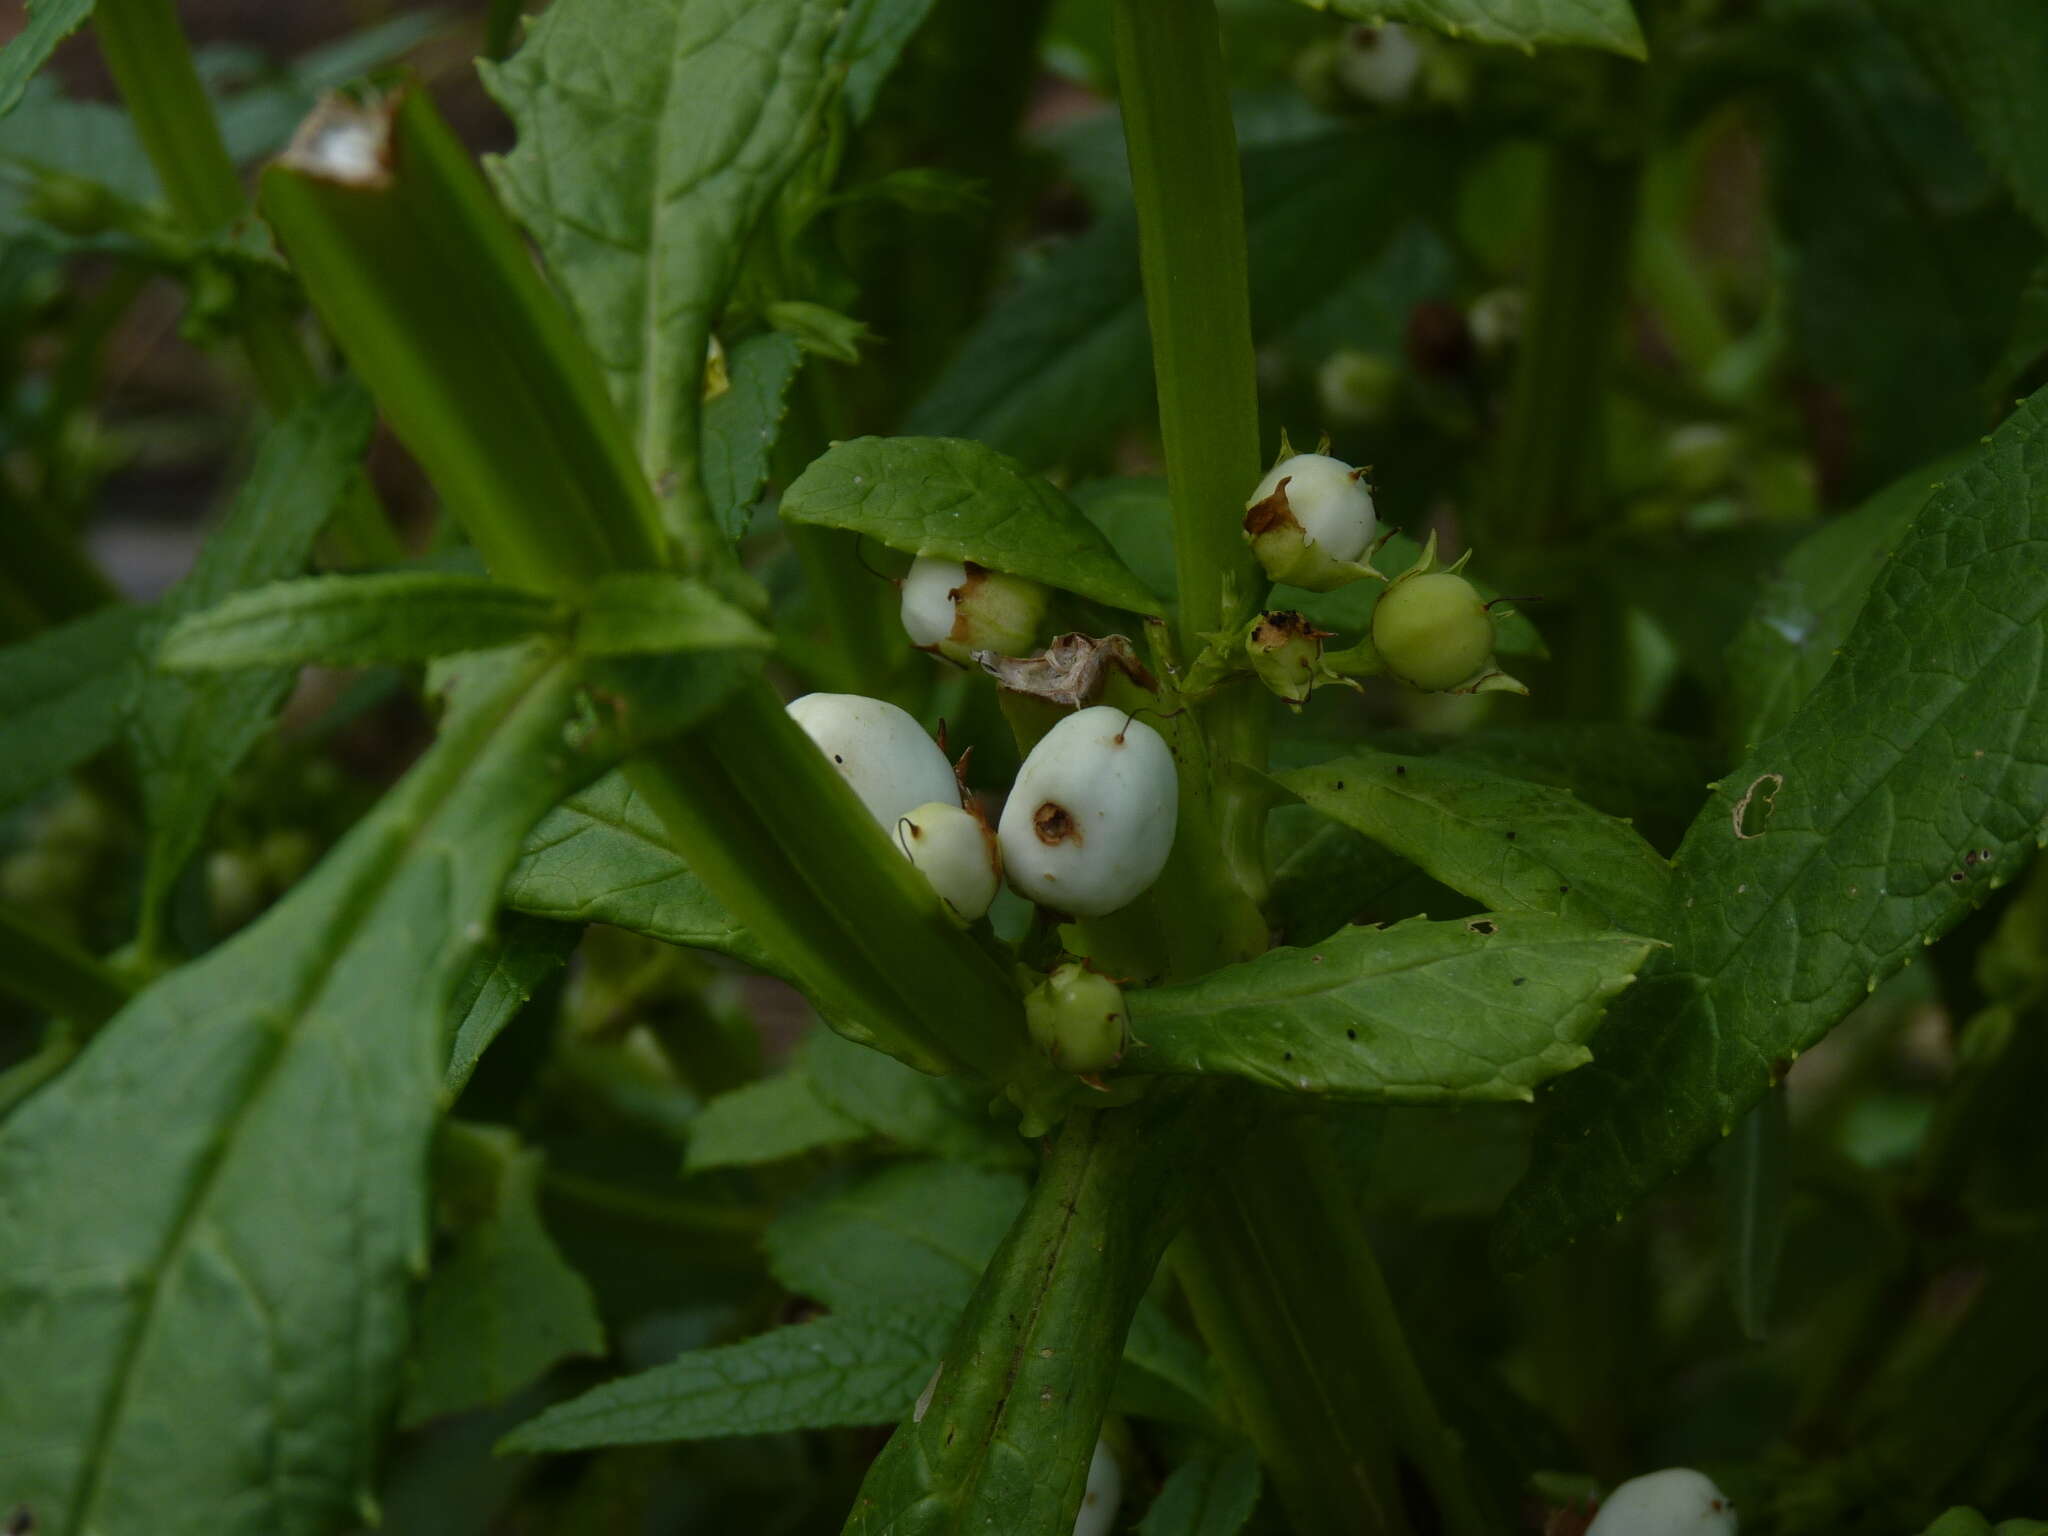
{"type": "Point", "coordinates": [151, 62]}
{"type": "Point", "coordinates": [1289, 1297]}
{"type": "Point", "coordinates": [1548, 483]}
{"type": "Point", "coordinates": [1190, 200]}
{"type": "Point", "coordinates": [56, 976]}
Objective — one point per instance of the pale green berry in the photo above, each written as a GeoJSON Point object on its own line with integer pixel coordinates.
{"type": "Point", "coordinates": [955, 850]}
{"type": "Point", "coordinates": [1077, 1018]}
{"type": "Point", "coordinates": [958, 608]}
{"type": "Point", "coordinates": [1674, 1502]}
{"type": "Point", "coordinates": [878, 749]}
{"type": "Point", "coordinates": [1090, 820]}
{"type": "Point", "coordinates": [1433, 630]}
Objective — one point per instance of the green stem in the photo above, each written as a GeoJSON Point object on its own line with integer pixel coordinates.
{"type": "Point", "coordinates": [56, 976]}
{"type": "Point", "coordinates": [1288, 1295]}
{"type": "Point", "coordinates": [151, 62]}
{"type": "Point", "coordinates": [1549, 484]}
{"type": "Point", "coordinates": [1190, 200]}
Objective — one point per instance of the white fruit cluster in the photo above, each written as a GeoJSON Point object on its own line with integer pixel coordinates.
{"type": "Point", "coordinates": [1087, 828]}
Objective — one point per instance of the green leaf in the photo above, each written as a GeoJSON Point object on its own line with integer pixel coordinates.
{"type": "Point", "coordinates": [1524, 24]}
{"type": "Point", "coordinates": [1065, 361]}
{"type": "Point", "coordinates": [189, 734]}
{"type": "Point", "coordinates": [355, 621]}
{"type": "Point", "coordinates": [1909, 261]}
{"type": "Point", "coordinates": [1504, 842]}
{"type": "Point", "coordinates": [652, 136]}
{"type": "Point", "coordinates": [62, 695]}
{"type": "Point", "coordinates": [958, 500]}
{"type": "Point", "coordinates": [862, 1366]}
{"type": "Point", "coordinates": [1333, 876]}
{"type": "Point", "coordinates": [1165, 1372]}
{"type": "Point", "coordinates": [640, 613]}
{"type": "Point", "coordinates": [947, 1117]}
{"type": "Point", "coordinates": [1001, 1437]}
{"type": "Point", "coordinates": [217, 1213]}
{"type": "Point", "coordinates": [765, 1122]}
{"type": "Point", "coordinates": [1420, 1013]}
{"type": "Point", "coordinates": [1807, 608]}
{"type": "Point", "coordinates": [870, 40]}
{"type": "Point", "coordinates": [741, 425]}
{"type": "Point", "coordinates": [1906, 787]}
{"type": "Point", "coordinates": [500, 982]}
{"type": "Point", "coordinates": [1210, 1494]}
{"type": "Point", "coordinates": [1991, 57]}
{"type": "Point", "coordinates": [603, 857]}
{"type": "Point", "coordinates": [501, 1309]}
{"type": "Point", "coordinates": [922, 1230]}
{"type": "Point", "coordinates": [49, 23]}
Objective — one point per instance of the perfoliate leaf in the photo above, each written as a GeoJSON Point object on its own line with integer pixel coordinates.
{"type": "Point", "coordinates": [1524, 24]}
{"type": "Point", "coordinates": [1504, 842]}
{"type": "Point", "coordinates": [764, 1122]}
{"type": "Point", "coordinates": [215, 1216]}
{"type": "Point", "coordinates": [863, 1366]}
{"type": "Point", "coordinates": [62, 694]}
{"type": "Point", "coordinates": [918, 1230]}
{"type": "Point", "coordinates": [958, 500]}
{"type": "Point", "coordinates": [603, 857]}
{"type": "Point", "coordinates": [500, 1309]}
{"type": "Point", "coordinates": [1420, 1013]}
{"type": "Point", "coordinates": [1908, 785]}
{"type": "Point", "coordinates": [1210, 1494]}
{"type": "Point", "coordinates": [652, 136]}
{"type": "Point", "coordinates": [190, 733]}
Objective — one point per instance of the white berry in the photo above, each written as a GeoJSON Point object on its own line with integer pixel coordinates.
{"type": "Point", "coordinates": [1379, 64]}
{"type": "Point", "coordinates": [928, 590]}
{"type": "Point", "coordinates": [1328, 499]}
{"type": "Point", "coordinates": [880, 750]}
{"type": "Point", "coordinates": [1674, 1502]}
{"type": "Point", "coordinates": [1089, 822]}
{"type": "Point", "coordinates": [1105, 1493]}
{"type": "Point", "coordinates": [956, 852]}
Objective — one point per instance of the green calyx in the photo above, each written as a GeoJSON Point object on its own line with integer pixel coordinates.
{"type": "Point", "coordinates": [1432, 630]}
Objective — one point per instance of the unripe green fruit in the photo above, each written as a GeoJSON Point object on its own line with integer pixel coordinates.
{"type": "Point", "coordinates": [1077, 1018]}
{"type": "Point", "coordinates": [880, 750]}
{"type": "Point", "coordinates": [1358, 387]}
{"type": "Point", "coordinates": [958, 608]}
{"type": "Point", "coordinates": [955, 850]}
{"type": "Point", "coordinates": [1433, 630]}
{"type": "Point", "coordinates": [1674, 1502]}
{"type": "Point", "coordinates": [1284, 649]}
{"type": "Point", "coordinates": [1090, 820]}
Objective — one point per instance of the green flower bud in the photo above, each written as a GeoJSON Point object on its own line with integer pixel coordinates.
{"type": "Point", "coordinates": [1078, 1019]}
{"type": "Point", "coordinates": [1433, 630]}
{"type": "Point", "coordinates": [1286, 651]}
{"type": "Point", "coordinates": [1310, 519]}
{"type": "Point", "coordinates": [959, 609]}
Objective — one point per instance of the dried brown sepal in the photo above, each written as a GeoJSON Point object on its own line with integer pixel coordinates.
{"type": "Point", "coordinates": [1069, 671]}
